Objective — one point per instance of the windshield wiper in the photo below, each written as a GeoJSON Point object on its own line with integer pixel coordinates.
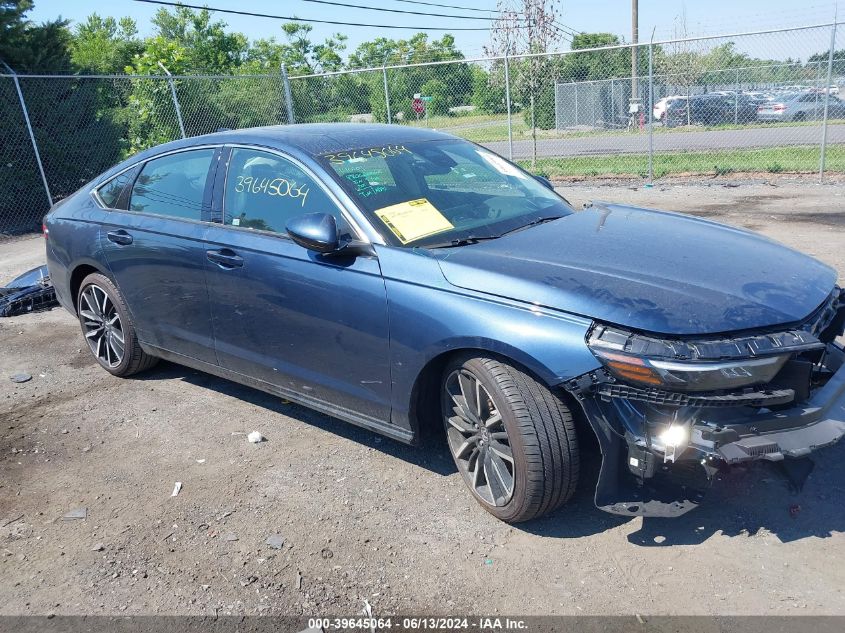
{"type": "Point", "coordinates": [463, 241]}
{"type": "Point", "coordinates": [474, 239]}
{"type": "Point", "coordinates": [534, 222]}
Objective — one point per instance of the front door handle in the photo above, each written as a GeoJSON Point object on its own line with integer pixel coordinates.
{"type": "Point", "coordinates": [225, 258]}
{"type": "Point", "coordinates": [119, 237]}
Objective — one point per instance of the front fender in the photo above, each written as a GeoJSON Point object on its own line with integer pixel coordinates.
{"type": "Point", "coordinates": [430, 317]}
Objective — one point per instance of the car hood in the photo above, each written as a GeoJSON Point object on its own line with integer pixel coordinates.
{"type": "Point", "coordinates": [647, 270]}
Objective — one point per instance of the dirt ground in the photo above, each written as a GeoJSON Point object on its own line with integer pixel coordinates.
{"type": "Point", "coordinates": [362, 517]}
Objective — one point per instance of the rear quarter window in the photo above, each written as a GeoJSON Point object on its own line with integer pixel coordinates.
{"type": "Point", "coordinates": [111, 194]}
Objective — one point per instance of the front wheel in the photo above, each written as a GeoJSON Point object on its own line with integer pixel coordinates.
{"type": "Point", "coordinates": [108, 328]}
{"type": "Point", "coordinates": [512, 439]}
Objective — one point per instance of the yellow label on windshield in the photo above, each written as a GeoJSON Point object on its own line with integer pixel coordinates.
{"type": "Point", "coordinates": [413, 220]}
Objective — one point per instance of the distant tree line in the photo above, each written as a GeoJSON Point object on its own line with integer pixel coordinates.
{"type": "Point", "coordinates": [84, 125]}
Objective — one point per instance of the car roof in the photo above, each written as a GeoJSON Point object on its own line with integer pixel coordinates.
{"type": "Point", "coordinates": [310, 139]}
{"type": "Point", "coordinates": [315, 138]}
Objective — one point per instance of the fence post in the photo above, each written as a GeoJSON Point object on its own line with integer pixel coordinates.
{"type": "Point", "coordinates": [612, 106]}
{"type": "Point", "coordinates": [650, 110]}
{"type": "Point", "coordinates": [386, 94]}
{"type": "Point", "coordinates": [175, 100]}
{"type": "Point", "coordinates": [288, 96]}
{"type": "Point", "coordinates": [827, 100]}
{"type": "Point", "coordinates": [31, 133]}
{"type": "Point", "coordinates": [508, 104]}
{"type": "Point", "coordinates": [736, 98]}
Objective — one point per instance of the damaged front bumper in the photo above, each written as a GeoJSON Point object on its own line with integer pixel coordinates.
{"type": "Point", "coordinates": [643, 474]}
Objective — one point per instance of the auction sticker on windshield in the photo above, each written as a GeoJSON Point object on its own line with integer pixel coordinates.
{"type": "Point", "coordinates": [413, 220]}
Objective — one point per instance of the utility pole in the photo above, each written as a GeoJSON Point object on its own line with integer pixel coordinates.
{"type": "Point", "coordinates": [635, 36]}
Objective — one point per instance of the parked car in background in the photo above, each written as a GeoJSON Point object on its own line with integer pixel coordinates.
{"type": "Point", "coordinates": [711, 109]}
{"type": "Point", "coordinates": [800, 106]}
{"type": "Point", "coordinates": [662, 104]}
{"type": "Point", "coordinates": [403, 279]}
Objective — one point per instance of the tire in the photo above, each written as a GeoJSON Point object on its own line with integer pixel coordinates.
{"type": "Point", "coordinates": [799, 116]}
{"type": "Point", "coordinates": [540, 433]}
{"type": "Point", "coordinates": [104, 319]}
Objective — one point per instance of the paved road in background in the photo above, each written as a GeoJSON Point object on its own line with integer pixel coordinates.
{"type": "Point", "coordinates": [757, 137]}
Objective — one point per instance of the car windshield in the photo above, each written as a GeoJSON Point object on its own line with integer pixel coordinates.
{"type": "Point", "coordinates": [442, 192]}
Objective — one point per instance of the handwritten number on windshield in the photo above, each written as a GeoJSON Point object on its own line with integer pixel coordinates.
{"type": "Point", "coordinates": [373, 152]}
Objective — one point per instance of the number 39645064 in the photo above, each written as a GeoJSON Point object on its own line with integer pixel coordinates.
{"type": "Point", "coordinates": [272, 187]}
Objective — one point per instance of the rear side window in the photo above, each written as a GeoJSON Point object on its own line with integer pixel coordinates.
{"type": "Point", "coordinates": [265, 191]}
{"type": "Point", "coordinates": [173, 185]}
{"type": "Point", "coordinates": [111, 193]}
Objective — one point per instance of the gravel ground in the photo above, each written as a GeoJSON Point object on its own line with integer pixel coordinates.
{"type": "Point", "coordinates": [363, 517]}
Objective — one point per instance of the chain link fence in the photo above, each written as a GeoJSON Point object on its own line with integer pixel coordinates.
{"type": "Point", "coordinates": [756, 102]}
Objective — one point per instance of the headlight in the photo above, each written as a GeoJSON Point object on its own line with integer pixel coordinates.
{"type": "Point", "coordinates": [683, 375]}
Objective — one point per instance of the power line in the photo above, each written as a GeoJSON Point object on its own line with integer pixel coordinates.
{"type": "Point", "coordinates": [448, 6]}
{"type": "Point", "coordinates": [571, 30]}
{"type": "Point", "coordinates": [435, 15]}
{"type": "Point", "coordinates": [335, 22]}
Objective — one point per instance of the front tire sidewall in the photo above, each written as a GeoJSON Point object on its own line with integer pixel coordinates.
{"type": "Point", "coordinates": [104, 283]}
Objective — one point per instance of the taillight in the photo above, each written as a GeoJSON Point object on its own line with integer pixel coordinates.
{"type": "Point", "coordinates": [45, 230]}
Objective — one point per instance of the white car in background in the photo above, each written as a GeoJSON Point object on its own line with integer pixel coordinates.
{"type": "Point", "coordinates": [661, 105]}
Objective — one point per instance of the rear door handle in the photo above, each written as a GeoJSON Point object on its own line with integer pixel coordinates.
{"type": "Point", "coordinates": [119, 237]}
{"type": "Point", "coordinates": [225, 258]}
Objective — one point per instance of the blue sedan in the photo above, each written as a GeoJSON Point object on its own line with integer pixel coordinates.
{"type": "Point", "coordinates": [402, 279]}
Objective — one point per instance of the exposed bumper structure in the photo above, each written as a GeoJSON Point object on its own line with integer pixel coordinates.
{"type": "Point", "coordinates": [797, 432]}
{"type": "Point", "coordinates": [661, 448]}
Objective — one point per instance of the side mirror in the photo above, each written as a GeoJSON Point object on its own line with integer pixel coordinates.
{"type": "Point", "coordinates": [315, 231]}
{"type": "Point", "coordinates": [545, 182]}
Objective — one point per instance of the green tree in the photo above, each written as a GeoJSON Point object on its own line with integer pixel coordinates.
{"type": "Point", "coordinates": [206, 46]}
{"type": "Point", "coordinates": [488, 90]}
{"type": "Point", "coordinates": [593, 65]}
{"type": "Point", "coordinates": [185, 42]}
{"type": "Point", "coordinates": [105, 45]}
{"type": "Point", "coordinates": [455, 80]}
{"type": "Point", "coordinates": [301, 56]}
{"type": "Point", "coordinates": [29, 47]}
{"type": "Point", "coordinates": [821, 59]}
{"type": "Point", "coordinates": [152, 115]}
{"type": "Point", "coordinates": [66, 114]}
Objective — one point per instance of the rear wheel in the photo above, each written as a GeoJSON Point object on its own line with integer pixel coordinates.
{"type": "Point", "coordinates": [108, 327]}
{"type": "Point", "coordinates": [512, 439]}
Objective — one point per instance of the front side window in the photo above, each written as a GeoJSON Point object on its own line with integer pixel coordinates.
{"type": "Point", "coordinates": [265, 191]}
{"type": "Point", "coordinates": [173, 185]}
{"type": "Point", "coordinates": [443, 191]}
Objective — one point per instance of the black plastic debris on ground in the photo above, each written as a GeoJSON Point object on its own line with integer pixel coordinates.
{"type": "Point", "coordinates": [31, 292]}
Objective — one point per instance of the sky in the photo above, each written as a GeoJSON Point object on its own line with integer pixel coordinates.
{"type": "Point", "coordinates": [663, 17]}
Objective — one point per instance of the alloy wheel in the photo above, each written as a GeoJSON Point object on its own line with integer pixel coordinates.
{"type": "Point", "coordinates": [101, 324]}
{"type": "Point", "coordinates": [478, 439]}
